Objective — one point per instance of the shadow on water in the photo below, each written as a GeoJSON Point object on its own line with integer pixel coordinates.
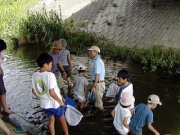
{"type": "Point", "coordinates": [17, 79]}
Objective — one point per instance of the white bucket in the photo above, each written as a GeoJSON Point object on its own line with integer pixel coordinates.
{"type": "Point", "coordinates": [73, 116]}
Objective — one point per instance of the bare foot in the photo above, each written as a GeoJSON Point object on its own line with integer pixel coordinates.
{"type": "Point", "coordinates": [7, 110]}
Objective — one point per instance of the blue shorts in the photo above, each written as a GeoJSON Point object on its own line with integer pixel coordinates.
{"type": "Point", "coordinates": [58, 112]}
{"type": "Point", "coordinates": [2, 87]}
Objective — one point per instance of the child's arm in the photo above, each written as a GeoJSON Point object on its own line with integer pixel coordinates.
{"type": "Point", "coordinates": [113, 112]}
{"type": "Point", "coordinates": [1, 71]}
{"type": "Point", "coordinates": [132, 111]}
{"type": "Point", "coordinates": [151, 128]}
{"type": "Point", "coordinates": [69, 61]}
{"type": "Point", "coordinates": [53, 95]}
{"type": "Point", "coordinates": [33, 92]}
{"type": "Point", "coordinates": [125, 122]}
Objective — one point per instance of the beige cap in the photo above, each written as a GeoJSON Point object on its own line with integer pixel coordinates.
{"type": "Point", "coordinates": [154, 99]}
{"type": "Point", "coordinates": [57, 45]}
{"type": "Point", "coordinates": [94, 48]}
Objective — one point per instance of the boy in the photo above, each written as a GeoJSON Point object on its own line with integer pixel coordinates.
{"type": "Point", "coordinates": [3, 105]}
{"type": "Point", "coordinates": [126, 86]}
{"type": "Point", "coordinates": [44, 86]}
{"type": "Point", "coordinates": [122, 114]}
{"type": "Point", "coordinates": [143, 115]}
{"type": "Point", "coordinates": [80, 84]}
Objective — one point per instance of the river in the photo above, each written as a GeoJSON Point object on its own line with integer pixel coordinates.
{"type": "Point", "coordinates": [17, 79]}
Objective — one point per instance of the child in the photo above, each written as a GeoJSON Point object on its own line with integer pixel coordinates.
{"type": "Point", "coordinates": [143, 115]}
{"type": "Point", "coordinates": [66, 62]}
{"type": "Point", "coordinates": [126, 86]}
{"type": "Point", "coordinates": [3, 105]}
{"type": "Point", "coordinates": [80, 86]}
{"type": "Point", "coordinates": [44, 86]}
{"type": "Point", "coordinates": [122, 114]}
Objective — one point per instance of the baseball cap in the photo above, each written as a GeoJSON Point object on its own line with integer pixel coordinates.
{"type": "Point", "coordinates": [94, 48]}
{"type": "Point", "coordinates": [81, 68]}
{"type": "Point", "coordinates": [154, 99]}
{"type": "Point", "coordinates": [127, 99]}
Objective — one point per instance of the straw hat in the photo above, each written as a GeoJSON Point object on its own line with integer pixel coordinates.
{"type": "Point", "coordinates": [57, 45]}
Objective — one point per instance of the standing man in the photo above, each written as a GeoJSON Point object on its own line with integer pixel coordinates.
{"type": "Point", "coordinates": [97, 74]}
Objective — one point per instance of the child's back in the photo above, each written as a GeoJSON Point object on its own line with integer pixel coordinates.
{"type": "Point", "coordinates": [42, 85]}
{"type": "Point", "coordinates": [80, 86]}
{"type": "Point", "coordinates": [122, 113]}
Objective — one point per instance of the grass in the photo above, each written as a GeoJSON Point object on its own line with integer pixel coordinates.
{"type": "Point", "coordinates": [11, 11]}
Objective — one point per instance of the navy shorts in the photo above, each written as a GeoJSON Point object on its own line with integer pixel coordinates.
{"type": "Point", "coordinates": [67, 70]}
{"type": "Point", "coordinates": [2, 87]}
{"type": "Point", "coordinates": [58, 112]}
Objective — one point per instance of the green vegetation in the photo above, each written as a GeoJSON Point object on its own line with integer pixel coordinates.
{"type": "Point", "coordinates": [11, 11]}
{"type": "Point", "coordinates": [40, 30]}
{"type": "Point", "coordinates": [80, 23]}
{"type": "Point", "coordinates": [156, 59]}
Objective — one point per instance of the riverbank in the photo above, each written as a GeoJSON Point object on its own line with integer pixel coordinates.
{"type": "Point", "coordinates": [126, 22]}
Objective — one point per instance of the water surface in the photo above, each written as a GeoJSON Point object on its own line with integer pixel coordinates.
{"type": "Point", "coordinates": [17, 79]}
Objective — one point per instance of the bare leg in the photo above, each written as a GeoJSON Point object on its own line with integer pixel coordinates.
{"type": "Point", "coordinates": [69, 83]}
{"type": "Point", "coordinates": [81, 105]}
{"type": "Point", "coordinates": [5, 128]}
{"type": "Point", "coordinates": [3, 104]}
{"type": "Point", "coordinates": [51, 125]}
{"type": "Point", "coordinates": [64, 125]}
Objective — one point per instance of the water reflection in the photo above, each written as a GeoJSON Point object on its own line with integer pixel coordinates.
{"type": "Point", "coordinates": [27, 112]}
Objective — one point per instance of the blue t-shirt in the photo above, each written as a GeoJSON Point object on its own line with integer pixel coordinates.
{"type": "Point", "coordinates": [97, 67]}
{"type": "Point", "coordinates": [143, 115]}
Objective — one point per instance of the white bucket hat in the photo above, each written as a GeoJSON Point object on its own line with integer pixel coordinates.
{"type": "Point", "coordinates": [127, 99]}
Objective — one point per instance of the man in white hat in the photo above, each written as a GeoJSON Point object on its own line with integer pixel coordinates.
{"type": "Point", "coordinates": [98, 75]}
{"type": "Point", "coordinates": [143, 115]}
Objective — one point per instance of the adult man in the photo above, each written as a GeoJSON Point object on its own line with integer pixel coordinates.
{"type": "Point", "coordinates": [97, 74]}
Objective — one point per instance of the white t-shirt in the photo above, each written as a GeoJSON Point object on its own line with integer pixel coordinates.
{"type": "Point", "coordinates": [120, 114]}
{"type": "Point", "coordinates": [128, 89]}
{"type": "Point", "coordinates": [42, 82]}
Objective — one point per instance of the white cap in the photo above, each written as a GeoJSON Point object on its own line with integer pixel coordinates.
{"type": "Point", "coordinates": [81, 67]}
{"type": "Point", "coordinates": [94, 48]}
{"type": "Point", "coordinates": [154, 99]}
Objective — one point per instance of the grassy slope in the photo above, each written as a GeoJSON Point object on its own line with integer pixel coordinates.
{"type": "Point", "coordinates": [11, 11]}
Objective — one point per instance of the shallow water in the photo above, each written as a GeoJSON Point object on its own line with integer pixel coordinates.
{"type": "Point", "coordinates": [17, 79]}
